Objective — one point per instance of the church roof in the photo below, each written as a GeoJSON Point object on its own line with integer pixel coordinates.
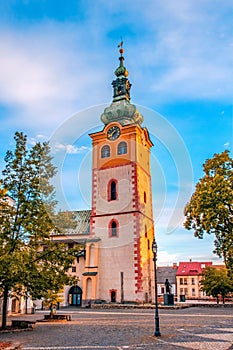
{"type": "Point", "coordinates": [79, 223]}
{"type": "Point", "coordinates": [82, 217]}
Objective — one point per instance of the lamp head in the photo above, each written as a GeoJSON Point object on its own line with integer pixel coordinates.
{"type": "Point", "coordinates": [154, 247]}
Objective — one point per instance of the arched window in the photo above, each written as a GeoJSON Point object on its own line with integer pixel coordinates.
{"type": "Point", "coordinates": [113, 192]}
{"type": "Point", "coordinates": [145, 231]}
{"type": "Point", "coordinates": [105, 151]}
{"type": "Point", "coordinates": [145, 197]}
{"type": "Point", "coordinates": [113, 228]}
{"type": "Point", "coordinates": [122, 148]}
{"type": "Point", "coordinates": [112, 189]}
{"type": "Point", "coordinates": [113, 294]}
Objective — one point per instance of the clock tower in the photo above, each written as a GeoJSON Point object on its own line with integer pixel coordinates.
{"type": "Point", "coordinates": [122, 216]}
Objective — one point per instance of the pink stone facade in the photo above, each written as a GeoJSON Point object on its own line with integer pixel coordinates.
{"type": "Point", "coordinates": [117, 266]}
{"type": "Point", "coordinates": [124, 266]}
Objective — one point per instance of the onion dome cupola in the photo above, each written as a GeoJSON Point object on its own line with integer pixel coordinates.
{"type": "Point", "coordinates": [121, 110]}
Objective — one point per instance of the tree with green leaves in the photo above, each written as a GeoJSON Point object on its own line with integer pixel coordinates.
{"type": "Point", "coordinates": [65, 220]}
{"type": "Point", "coordinates": [210, 208]}
{"type": "Point", "coordinates": [30, 262]}
{"type": "Point", "coordinates": [216, 282]}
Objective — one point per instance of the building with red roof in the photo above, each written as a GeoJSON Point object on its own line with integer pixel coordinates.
{"type": "Point", "coordinates": [188, 278]}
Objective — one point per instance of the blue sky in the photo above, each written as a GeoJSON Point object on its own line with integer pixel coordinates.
{"type": "Point", "coordinates": [57, 63]}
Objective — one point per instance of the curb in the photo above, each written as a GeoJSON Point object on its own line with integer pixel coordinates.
{"type": "Point", "coordinates": [14, 346]}
{"type": "Point", "coordinates": [182, 305]}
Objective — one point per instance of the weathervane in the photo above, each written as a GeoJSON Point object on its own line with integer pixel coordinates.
{"type": "Point", "coordinates": [121, 50]}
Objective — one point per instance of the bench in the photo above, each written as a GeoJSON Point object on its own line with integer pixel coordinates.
{"type": "Point", "coordinates": [58, 317]}
{"type": "Point", "coordinates": [22, 324]}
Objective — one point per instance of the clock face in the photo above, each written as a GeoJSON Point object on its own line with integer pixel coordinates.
{"type": "Point", "coordinates": [113, 133]}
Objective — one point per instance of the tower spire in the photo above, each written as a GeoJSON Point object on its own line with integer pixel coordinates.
{"type": "Point", "coordinates": [121, 71]}
{"type": "Point", "coordinates": [121, 109]}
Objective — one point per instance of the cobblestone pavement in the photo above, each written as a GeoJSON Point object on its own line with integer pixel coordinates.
{"type": "Point", "coordinates": [191, 328]}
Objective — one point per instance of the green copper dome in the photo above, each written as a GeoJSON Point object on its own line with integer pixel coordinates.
{"type": "Point", "coordinates": [121, 70]}
{"type": "Point", "coordinates": [122, 112]}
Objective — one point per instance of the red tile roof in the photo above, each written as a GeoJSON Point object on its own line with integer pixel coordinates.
{"type": "Point", "coordinates": [193, 268]}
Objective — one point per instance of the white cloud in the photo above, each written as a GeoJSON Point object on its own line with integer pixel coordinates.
{"type": "Point", "coordinates": [48, 71]}
{"type": "Point", "coordinates": [69, 149]}
{"type": "Point", "coordinates": [188, 52]}
{"type": "Point", "coordinates": [182, 246]}
{"type": "Point", "coordinates": [44, 78]}
{"type": "Point", "coordinates": [41, 137]}
{"type": "Point", "coordinates": [38, 138]}
{"type": "Point", "coordinates": [164, 258]}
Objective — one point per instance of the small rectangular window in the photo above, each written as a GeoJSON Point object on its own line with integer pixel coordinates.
{"type": "Point", "coordinates": [73, 268]}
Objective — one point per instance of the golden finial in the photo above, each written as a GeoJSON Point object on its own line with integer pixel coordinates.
{"type": "Point", "coordinates": [121, 50]}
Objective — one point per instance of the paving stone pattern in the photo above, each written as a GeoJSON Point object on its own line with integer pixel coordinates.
{"type": "Point", "coordinates": [192, 328]}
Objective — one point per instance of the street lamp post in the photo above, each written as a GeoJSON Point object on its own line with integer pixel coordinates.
{"type": "Point", "coordinates": [154, 250]}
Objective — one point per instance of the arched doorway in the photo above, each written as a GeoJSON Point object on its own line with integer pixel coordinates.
{"type": "Point", "coordinates": [75, 296]}
{"type": "Point", "coordinates": [113, 295]}
{"type": "Point", "coordinates": [15, 305]}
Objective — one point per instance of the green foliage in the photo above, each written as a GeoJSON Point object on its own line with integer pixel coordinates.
{"type": "Point", "coordinates": [26, 222]}
{"type": "Point", "coordinates": [216, 282]}
{"type": "Point", "coordinates": [210, 208]}
{"type": "Point", "coordinates": [65, 220]}
{"type": "Point", "coordinates": [52, 298]}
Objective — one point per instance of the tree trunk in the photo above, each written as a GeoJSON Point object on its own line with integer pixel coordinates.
{"type": "Point", "coordinates": [52, 310]}
{"type": "Point", "coordinates": [4, 306]}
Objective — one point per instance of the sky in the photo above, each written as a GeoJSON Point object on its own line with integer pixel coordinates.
{"type": "Point", "coordinates": [57, 63]}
